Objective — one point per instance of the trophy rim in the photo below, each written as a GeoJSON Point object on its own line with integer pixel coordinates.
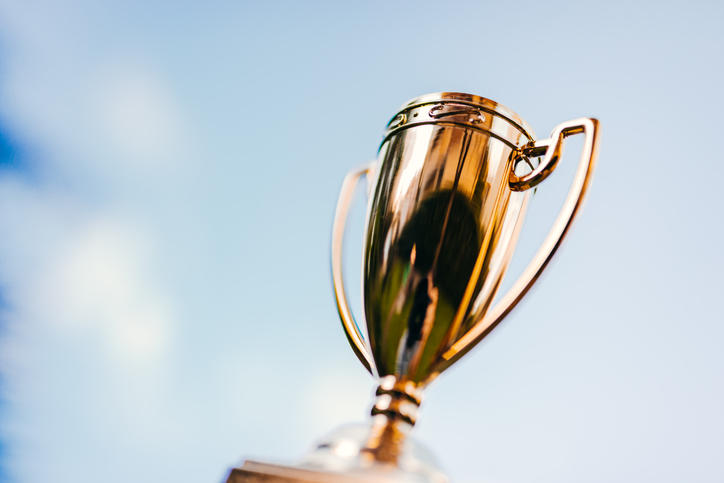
{"type": "Point", "coordinates": [476, 100]}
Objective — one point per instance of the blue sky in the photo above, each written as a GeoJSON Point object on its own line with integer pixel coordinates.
{"type": "Point", "coordinates": [165, 226]}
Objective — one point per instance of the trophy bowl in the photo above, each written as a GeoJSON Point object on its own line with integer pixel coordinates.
{"type": "Point", "coordinates": [447, 198]}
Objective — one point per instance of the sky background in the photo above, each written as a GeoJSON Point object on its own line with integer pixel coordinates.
{"type": "Point", "coordinates": [168, 175]}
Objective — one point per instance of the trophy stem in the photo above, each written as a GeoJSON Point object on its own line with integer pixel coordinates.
{"type": "Point", "coordinates": [393, 415]}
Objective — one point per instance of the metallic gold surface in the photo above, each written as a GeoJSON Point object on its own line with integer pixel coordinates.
{"type": "Point", "coordinates": [571, 206]}
{"type": "Point", "coordinates": [351, 329]}
{"type": "Point", "coordinates": [447, 203]}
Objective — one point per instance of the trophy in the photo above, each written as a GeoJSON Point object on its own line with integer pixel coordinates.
{"type": "Point", "coordinates": [447, 198]}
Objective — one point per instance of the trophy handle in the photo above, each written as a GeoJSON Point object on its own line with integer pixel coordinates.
{"type": "Point", "coordinates": [551, 148]}
{"type": "Point", "coordinates": [351, 329]}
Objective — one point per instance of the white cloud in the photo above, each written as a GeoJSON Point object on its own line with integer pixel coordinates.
{"type": "Point", "coordinates": [88, 330]}
{"type": "Point", "coordinates": [137, 116]}
{"type": "Point", "coordinates": [88, 327]}
{"type": "Point", "coordinates": [65, 264]}
{"type": "Point", "coordinates": [101, 270]}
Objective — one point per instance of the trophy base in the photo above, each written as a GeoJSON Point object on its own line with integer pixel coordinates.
{"type": "Point", "coordinates": [338, 458]}
{"type": "Point", "coordinates": [257, 472]}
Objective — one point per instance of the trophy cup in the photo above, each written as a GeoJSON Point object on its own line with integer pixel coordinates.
{"type": "Point", "coordinates": [447, 198]}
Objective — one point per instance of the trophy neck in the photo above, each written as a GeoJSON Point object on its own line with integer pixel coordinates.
{"type": "Point", "coordinates": [394, 413]}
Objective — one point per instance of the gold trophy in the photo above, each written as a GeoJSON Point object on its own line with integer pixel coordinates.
{"type": "Point", "coordinates": [447, 198]}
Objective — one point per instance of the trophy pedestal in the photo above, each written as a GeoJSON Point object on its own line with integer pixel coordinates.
{"type": "Point", "coordinates": [257, 472]}
{"type": "Point", "coordinates": [337, 457]}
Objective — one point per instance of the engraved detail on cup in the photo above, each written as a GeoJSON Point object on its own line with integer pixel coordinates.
{"type": "Point", "coordinates": [454, 111]}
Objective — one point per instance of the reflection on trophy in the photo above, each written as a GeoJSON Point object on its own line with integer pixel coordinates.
{"type": "Point", "coordinates": [447, 198]}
